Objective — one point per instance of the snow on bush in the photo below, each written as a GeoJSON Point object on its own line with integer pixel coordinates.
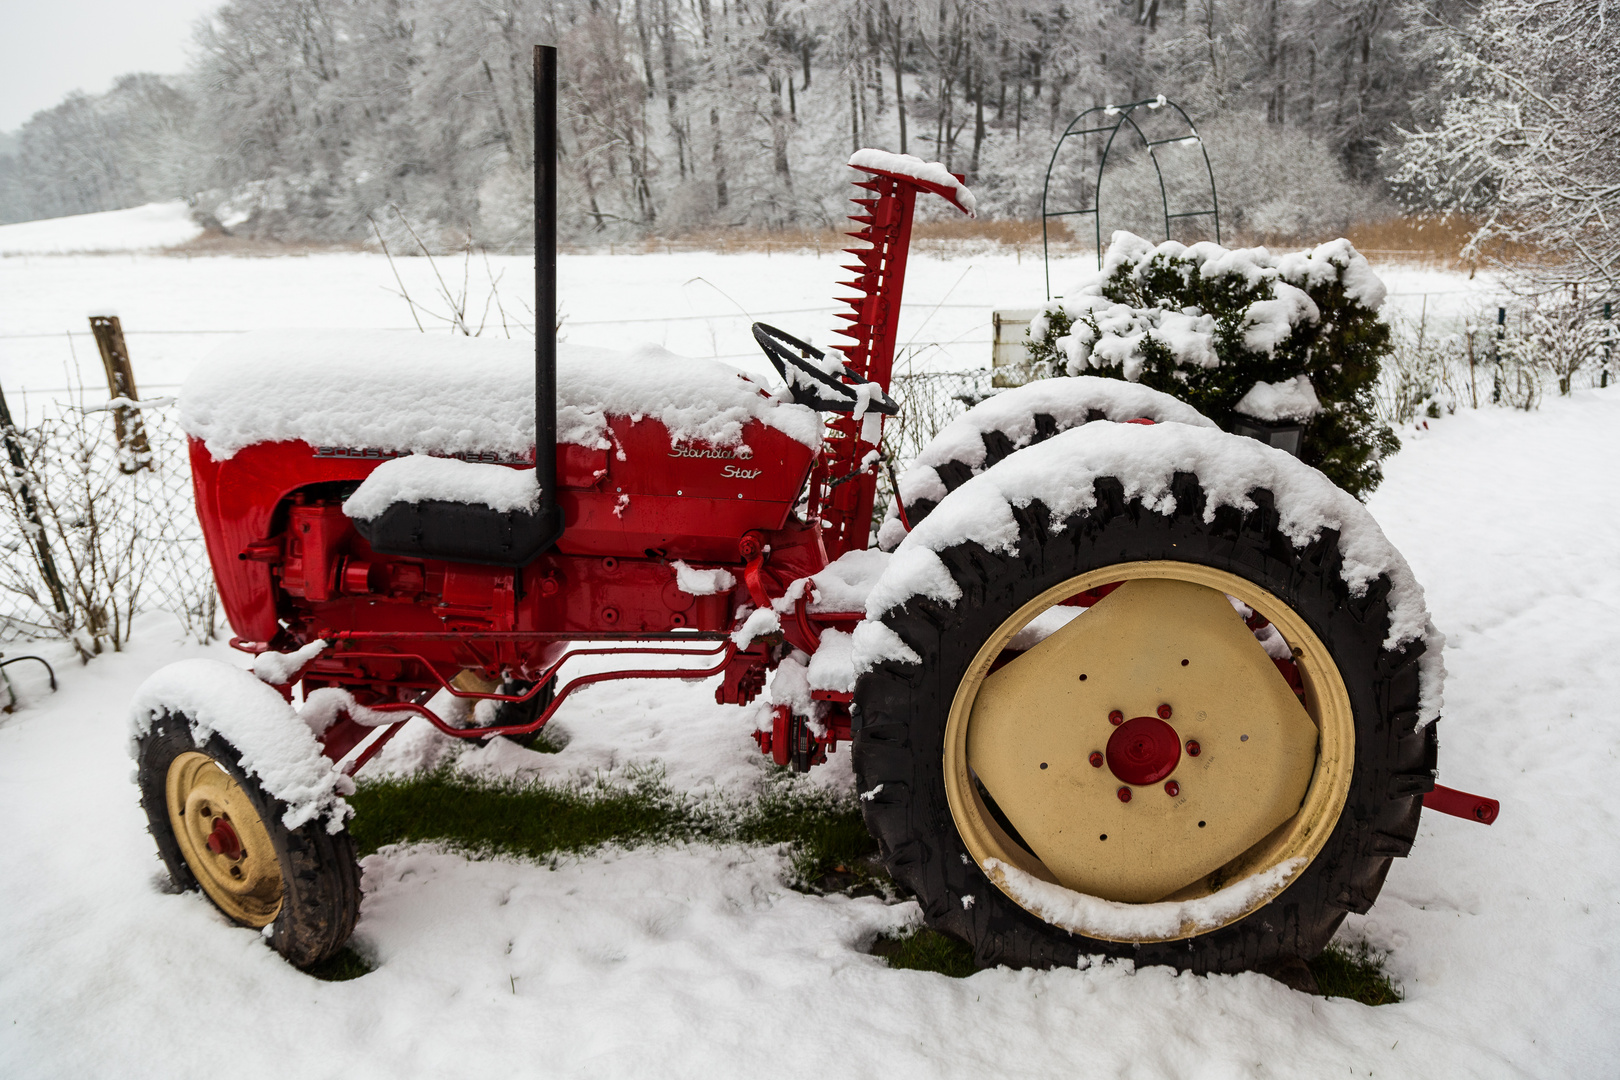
{"type": "Point", "coordinates": [1294, 399]}
{"type": "Point", "coordinates": [1209, 325]}
{"type": "Point", "coordinates": [272, 742]}
{"type": "Point", "coordinates": [449, 394]}
{"type": "Point", "coordinates": [1061, 473]}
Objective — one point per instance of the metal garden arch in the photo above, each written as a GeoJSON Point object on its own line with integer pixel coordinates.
{"type": "Point", "coordinates": [1113, 118]}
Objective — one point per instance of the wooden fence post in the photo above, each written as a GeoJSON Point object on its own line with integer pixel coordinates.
{"type": "Point", "coordinates": [37, 541]}
{"type": "Point", "coordinates": [121, 384]}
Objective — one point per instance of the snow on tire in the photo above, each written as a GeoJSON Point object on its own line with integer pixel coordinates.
{"type": "Point", "coordinates": [242, 805]}
{"type": "Point", "coordinates": [1012, 420]}
{"type": "Point", "coordinates": [1145, 778]}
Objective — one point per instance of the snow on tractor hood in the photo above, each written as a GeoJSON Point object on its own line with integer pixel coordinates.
{"type": "Point", "coordinates": [404, 391]}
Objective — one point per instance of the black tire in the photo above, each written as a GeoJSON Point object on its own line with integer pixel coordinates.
{"type": "Point", "coordinates": [320, 876]}
{"type": "Point", "coordinates": [513, 713]}
{"type": "Point", "coordinates": [804, 751]}
{"type": "Point", "coordinates": [902, 712]}
{"type": "Point", "coordinates": [1027, 415]}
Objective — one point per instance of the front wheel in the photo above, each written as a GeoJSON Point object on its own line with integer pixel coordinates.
{"type": "Point", "coordinates": [218, 830]}
{"type": "Point", "coordinates": [1157, 728]}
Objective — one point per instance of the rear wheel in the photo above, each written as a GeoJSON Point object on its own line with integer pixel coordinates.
{"type": "Point", "coordinates": [218, 830]}
{"type": "Point", "coordinates": [1145, 781]}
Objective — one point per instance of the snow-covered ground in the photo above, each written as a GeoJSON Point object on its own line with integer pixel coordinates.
{"type": "Point", "coordinates": [140, 228]}
{"type": "Point", "coordinates": [175, 310]}
{"type": "Point", "coordinates": [698, 960]}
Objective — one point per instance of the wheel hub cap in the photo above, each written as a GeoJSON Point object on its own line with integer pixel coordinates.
{"type": "Point", "coordinates": [1035, 726]}
{"type": "Point", "coordinates": [1144, 750]}
{"type": "Point", "coordinates": [224, 841]}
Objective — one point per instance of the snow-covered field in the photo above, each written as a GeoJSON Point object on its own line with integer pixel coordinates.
{"type": "Point", "coordinates": [176, 309]}
{"type": "Point", "coordinates": [155, 225]}
{"type": "Point", "coordinates": [700, 961]}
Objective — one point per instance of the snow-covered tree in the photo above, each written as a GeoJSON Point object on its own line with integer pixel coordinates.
{"type": "Point", "coordinates": [1526, 135]}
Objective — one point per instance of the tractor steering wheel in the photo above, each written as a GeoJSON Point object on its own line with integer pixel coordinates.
{"type": "Point", "coordinates": [809, 384]}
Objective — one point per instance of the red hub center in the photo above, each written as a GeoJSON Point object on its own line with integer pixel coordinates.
{"type": "Point", "coordinates": [224, 841]}
{"type": "Point", "coordinates": [1144, 750]}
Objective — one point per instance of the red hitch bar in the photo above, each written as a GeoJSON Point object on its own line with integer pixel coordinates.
{"type": "Point", "coordinates": [1461, 804]}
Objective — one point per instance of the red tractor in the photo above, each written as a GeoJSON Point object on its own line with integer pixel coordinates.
{"type": "Point", "coordinates": [1128, 685]}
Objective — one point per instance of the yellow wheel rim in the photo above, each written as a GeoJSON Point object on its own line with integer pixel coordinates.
{"type": "Point", "coordinates": [223, 839]}
{"type": "Point", "coordinates": [1149, 750]}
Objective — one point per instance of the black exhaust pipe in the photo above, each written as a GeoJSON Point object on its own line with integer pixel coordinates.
{"type": "Point", "coordinates": [467, 532]}
{"type": "Point", "coordinates": [545, 277]}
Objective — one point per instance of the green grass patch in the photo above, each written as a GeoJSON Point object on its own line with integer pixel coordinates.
{"type": "Point", "coordinates": [543, 741]}
{"type": "Point", "coordinates": [341, 966]}
{"type": "Point", "coordinates": [1356, 973]}
{"type": "Point", "coordinates": [831, 847]}
{"type": "Point", "coordinates": [927, 950]}
{"type": "Point", "coordinates": [832, 850]}
{"type": "Point", "coordinates": [529, 819]}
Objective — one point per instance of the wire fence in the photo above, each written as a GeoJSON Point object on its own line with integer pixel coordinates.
{"type": "Point", "coordinates": [97, 526]}
{"type": "Point", "coordinates": [1544, 346]}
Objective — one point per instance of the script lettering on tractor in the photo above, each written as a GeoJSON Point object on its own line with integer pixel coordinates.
{"type": "Point", "coordinates": [707, 452]}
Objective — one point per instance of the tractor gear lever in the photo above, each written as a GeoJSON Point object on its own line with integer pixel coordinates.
{"type": "Point", "coordinates": [846, 393]}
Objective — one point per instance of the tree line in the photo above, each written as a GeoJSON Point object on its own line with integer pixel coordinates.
{"type": "Point", "coordinates": [317, 119]}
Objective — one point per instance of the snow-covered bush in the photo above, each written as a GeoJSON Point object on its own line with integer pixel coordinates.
{"type": "Point", "coordinates": [1213, 326]}
{"type": "Point", "coordinates": [1427, 371]}
{"type": "Point", "coordinates": [1557, 334]}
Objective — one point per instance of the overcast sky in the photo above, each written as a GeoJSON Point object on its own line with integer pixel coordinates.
{"type": "Point", "coordinates": [49, 47]}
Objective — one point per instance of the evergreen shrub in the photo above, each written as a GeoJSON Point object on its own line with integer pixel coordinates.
{"type": "Point", "coordinates": [1207, 324]}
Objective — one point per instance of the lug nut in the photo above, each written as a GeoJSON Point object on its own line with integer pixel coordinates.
{"type": "Point", "coordinates": [1124, 794]}
{"type": "Point", "coordinates": [1193, 749]}
{"type": "Point", "coordinates": [1164, 712]}
{"type": "Point", "coordinates": [1096, 759]}
{"type": "Point", "coordinates": [1116, 718]}
{"type": "Point", "coordinates": [1171, 788]}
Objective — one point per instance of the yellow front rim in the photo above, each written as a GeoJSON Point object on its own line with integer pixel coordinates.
{"type": "Point", "coordinates": [223, 839]}
{"type": "Point", "coordinates": [1085, 743]}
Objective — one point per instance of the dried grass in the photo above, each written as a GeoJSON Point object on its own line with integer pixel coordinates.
{"type": "Point", "coordinates": [1427, 240]}
{"type": "Point", "coordinates": [1423, 240]}
{"type": "Point", "coordinates": [213, 243]}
